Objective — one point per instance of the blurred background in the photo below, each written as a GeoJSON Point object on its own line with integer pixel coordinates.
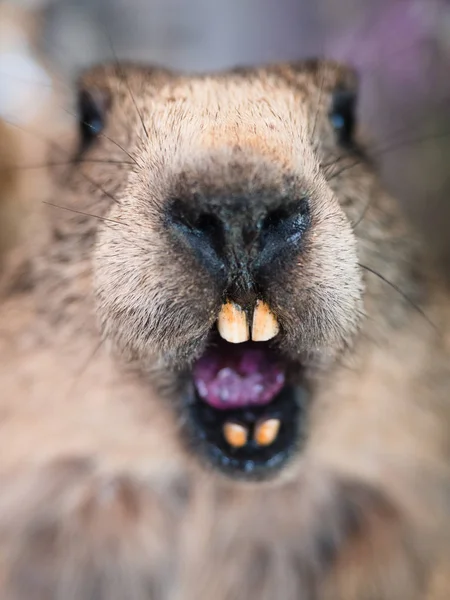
{"type": "Point", "coordinates": [401, 48]}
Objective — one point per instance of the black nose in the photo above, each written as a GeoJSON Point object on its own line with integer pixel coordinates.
{"type": "Point", "coordinates": [238, 240]}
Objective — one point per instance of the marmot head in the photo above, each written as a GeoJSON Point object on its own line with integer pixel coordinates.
{"type": "Point", "coordinates": [226, 266]}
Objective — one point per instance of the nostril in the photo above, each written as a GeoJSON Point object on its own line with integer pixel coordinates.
{"type": "Point", "coordinates": [201, 232]}
{"type": "Point", "coordinates": [211, 227]}
{"type": "Point", "coordinates": [231, 244]}
{"type": "Point", "coordinates": [282, 230]}
{"type": "Point", "coordinates": [290, 216]}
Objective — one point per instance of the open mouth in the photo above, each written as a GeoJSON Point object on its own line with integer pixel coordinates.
{"type": "Point", "coordinates": [247, 404]}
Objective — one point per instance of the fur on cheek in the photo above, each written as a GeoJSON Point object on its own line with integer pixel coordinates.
{"type": "Point", "coordinates": [320, 298]}
{"type": "Point", "coordinates": [148, 300]}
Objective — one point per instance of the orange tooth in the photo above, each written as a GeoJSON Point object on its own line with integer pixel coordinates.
{"type": "Point", "coordinates": [232, 323]}
{"type": "Point", "coordinates": [265, 325]}
{"type": "Point", "coordinates": [266, 432]}
{"type": "Point", "coordinates": [236, 435]}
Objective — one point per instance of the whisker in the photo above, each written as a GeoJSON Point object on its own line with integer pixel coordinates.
{"type": "Point", "coordinates": [99, 187]}
{"type": "Point", "coordinates": [123, 77]}
{"type": "Point", "coordinates": [399, 291]}
{"type": "Point", "coordinates": [344, 168]}
{"type": "Point", "coordinates": [388, 149]}
{"type": "Point", "coordinates": [69, 112]}
{"type": "Point", "coordinates": [393, 140]}
{"type": "Point", "coordinates": [396, 145]}
{"type": "Point", "coordinates": [69, 163]}
{"type": "Point", "coordinates": [106, 220]}
{"type": "Point", "coordinates": [334, 161]}
{"type": "Point", "coordinates": [440, 104]}
{"type": "Point", "coordinates": [86, 214]}
{"type": "Point", "coordinates": [53, 144]}
{"type": "Point", "coordinates": [83, 368]}
{"type": "Point", "coordinates": [104, 136]}
{"type": "Point", "coordinates": [319, 100]}
{"type": "Point", "coordinates": [363, 213]}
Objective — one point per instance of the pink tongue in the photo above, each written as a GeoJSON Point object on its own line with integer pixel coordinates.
{"type": "Point", "coordinates": [236, 376]}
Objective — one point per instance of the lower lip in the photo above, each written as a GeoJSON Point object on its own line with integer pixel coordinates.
{"type": "Point", "coordinates": [204, 427]}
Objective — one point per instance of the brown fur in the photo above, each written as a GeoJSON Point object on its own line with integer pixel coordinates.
{"type": "Point", "coordinates": [99, 497]}
{"type": "Point", "coordinates": [8, 190]}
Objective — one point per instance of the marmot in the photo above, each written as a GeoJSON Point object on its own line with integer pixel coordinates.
{"type": "Point", "coordinates": [225, 357]}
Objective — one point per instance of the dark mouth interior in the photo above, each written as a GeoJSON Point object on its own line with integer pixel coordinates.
{"type": "Point", "coordinates": [246, 385]}
{"type": "Point", "coordinates": [230, 376]}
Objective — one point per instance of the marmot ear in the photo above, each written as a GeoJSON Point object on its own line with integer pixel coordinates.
{"type": "Point", "coordinates": [326, 74]}
{"type": "Point", "coordinates": [92, 108]}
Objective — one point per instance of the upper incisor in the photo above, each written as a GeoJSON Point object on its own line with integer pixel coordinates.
{"type": "Point", "coordinates": [265, 325]}
{"type": "Point", "coordinates": [232, 323]}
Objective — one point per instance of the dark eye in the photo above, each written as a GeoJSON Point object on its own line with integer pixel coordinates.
{"type": "Point", "coordinates": [342, 116]}
{"type": "Point", "coordinates": [91, 118]}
